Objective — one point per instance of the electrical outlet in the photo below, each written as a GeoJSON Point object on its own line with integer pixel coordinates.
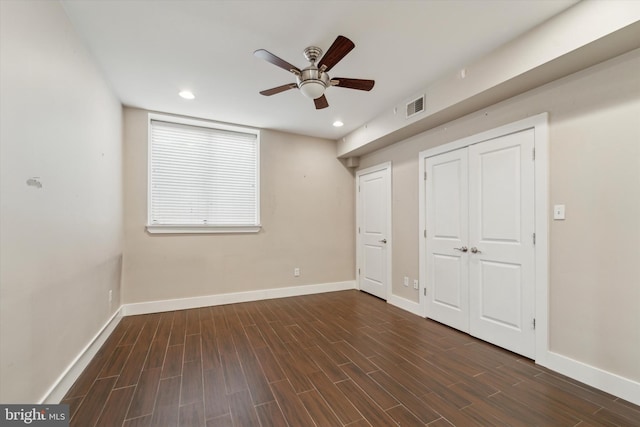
{"type": "Point", "coordinates": [406, 281]}
{"type": "Point", "coordinates": [415, 284]}
{"type": "Point", "coordinates": [296, 271]}
{"type": "Point", "coordinates": [110, 295]}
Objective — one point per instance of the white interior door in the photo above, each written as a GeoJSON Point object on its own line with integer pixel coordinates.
{"type": "Point", "coordinates": [374, 237]}
{"type": "Point", "coordinates": [447, 235]}
{"type": "Point", "coordinates": [501, 254]}
{"type": "Point", "coordinates": [480, 255]}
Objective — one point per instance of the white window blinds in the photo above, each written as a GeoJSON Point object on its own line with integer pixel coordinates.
{"type": "Point", "coordinates": [203, 177]}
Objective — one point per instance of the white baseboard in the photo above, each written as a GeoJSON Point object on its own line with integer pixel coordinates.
{"type": "Point", "coordinates": [232, 298]}
{"type": "Point", "coordinates": [405, 304]}
{"type": "Point", "coordinates": [611, 383]}
{"type": "Point", "coordinates": [64, 382]}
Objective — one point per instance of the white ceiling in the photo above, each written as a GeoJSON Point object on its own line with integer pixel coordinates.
{"type": "Point", "coordinates": [150, 50]}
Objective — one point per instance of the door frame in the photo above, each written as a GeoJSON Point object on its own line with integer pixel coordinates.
{"type": "Point", "coordinates": [386, 168]}
{"type": "Point", "coordinates": [539, 124]}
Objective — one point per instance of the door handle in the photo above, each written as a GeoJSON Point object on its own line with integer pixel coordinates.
{"type": "Point", "coordinates": [475, 250]}
{"type": "Point", "coordinates": [462, 249]}
{"type": "Point", "coordinates": [383, 241]}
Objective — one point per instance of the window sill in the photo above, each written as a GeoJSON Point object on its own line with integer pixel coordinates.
{"type": "Point", "coordinates": [201, 229]}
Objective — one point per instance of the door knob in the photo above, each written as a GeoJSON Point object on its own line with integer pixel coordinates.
{"type": "Point", "coordinates": [383, 241]}
{"type": "Point", "coordinates": [475, 250]}
{"type": "Point", "coordinates": [462, 249]}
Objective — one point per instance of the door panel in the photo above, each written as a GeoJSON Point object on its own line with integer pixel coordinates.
{"type": "Point", "coordinates": [447, 197]}
{"type": "Point", "coordinates": [499, 193]}
{"type": "Point", "coordinates": [373, 262]}
{"type": "Point", "coordinates": [447, 268]}
{"type": "Point", "coordinates": [500, 290]}
{"type": "Point", "coordinates": [447, 282]}
{"type": "Point", "coordinates": [501, 226]}
{"type": "Point", "coordinates": [373, 224]}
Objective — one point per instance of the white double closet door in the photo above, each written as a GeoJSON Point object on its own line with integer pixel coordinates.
{"type": "Point", "coordinates": [480, 240]}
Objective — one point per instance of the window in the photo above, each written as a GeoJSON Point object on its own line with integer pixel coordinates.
{"type": "Point", "coordinates": [203, 177]}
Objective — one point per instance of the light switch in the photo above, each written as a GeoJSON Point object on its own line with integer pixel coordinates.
{"type": "Point", "coordinates": [558, 211]}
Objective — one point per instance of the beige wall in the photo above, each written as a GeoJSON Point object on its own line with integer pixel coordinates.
{"type": "Point", "coordinates": [60, 244]}
{"type": "Point", "coordinates": [594, 131]}
{"type": "Point", "coordinates": [307, 215]}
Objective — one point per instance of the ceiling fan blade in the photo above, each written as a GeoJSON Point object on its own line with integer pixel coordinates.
{"type": "Point", "coordinates": [321, 102]}
{"type": "Point", "coordinates": [359, 84]}
{"type": "Point", "coordinates": [338, 50]}
{"type": "Point", "coordinates": [270, 57]}
{"type": "Point", "coordinates": [278, 89]}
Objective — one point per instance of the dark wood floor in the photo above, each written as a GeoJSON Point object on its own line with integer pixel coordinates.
{"type": "Point", "coordinates": [337, 359]}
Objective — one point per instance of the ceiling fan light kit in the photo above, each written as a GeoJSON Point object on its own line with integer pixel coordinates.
{"type": "Point", "coordinates": [314, 79]}
{"type": "Point", "coordinates": [312, 89]}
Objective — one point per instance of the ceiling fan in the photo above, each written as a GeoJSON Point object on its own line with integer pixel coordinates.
{"type": "Point", "coordinates": [314, 80]}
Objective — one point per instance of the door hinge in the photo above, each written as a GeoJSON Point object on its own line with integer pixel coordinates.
{"type": "Point", "coordinates": [534, 238]}
{"type": "Point", "coordinates": [425, 176]}
{"type": "Point", "coordinates": [358, 188]}
{"type": "Point", "coordinates": [358, 272]}
{"type": "Point", "coordinates": [358, 230]}
{"type": "Point", "coordinates": [425, 233]}
{"type": "Point", "coordinates": [533, 154]}
{"type": "Point", "coordinates": [425, 292]}
{"type": "Point", "coordinates": [534, 323]}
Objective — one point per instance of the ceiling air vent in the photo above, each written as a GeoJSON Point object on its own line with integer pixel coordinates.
{"type": "Point", "coordinates": [416, 106]}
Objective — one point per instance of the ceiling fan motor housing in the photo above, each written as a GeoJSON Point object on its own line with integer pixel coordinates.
{"type": "Point", "coordinates": [312, 82]}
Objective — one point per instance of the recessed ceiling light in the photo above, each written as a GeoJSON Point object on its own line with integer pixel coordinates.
{"type": "Point", "coordinates": [338, 123]}
{"type": "Point", "coordinates": [187, 94]}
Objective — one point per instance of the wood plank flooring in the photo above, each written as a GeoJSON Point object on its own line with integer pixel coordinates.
{"type": "Point", "coordinates": [335, 359]}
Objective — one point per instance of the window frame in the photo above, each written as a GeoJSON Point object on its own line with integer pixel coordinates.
{"type": "Point", "coordinates": [199, 229]}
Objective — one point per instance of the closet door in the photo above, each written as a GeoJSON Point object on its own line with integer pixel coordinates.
{"type": "Point", "coordinates": [501, 246]}
{"type": "Point", "coordinates": [480, 258]}
{"type": "Point", "coordinates": [447, 234]}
